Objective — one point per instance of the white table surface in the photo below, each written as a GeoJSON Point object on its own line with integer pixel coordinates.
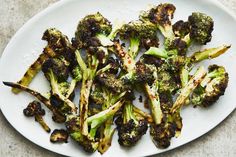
{"type": "Point", "coordinates": [221, 141]}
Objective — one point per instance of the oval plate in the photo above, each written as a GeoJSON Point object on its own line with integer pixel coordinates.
{"type": "Point", "coordinates": [26, 45]}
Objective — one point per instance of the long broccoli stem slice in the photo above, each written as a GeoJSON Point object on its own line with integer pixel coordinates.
{"type": "Point", "coordinates": [186, 91]}
{"type": "Point", "coordinates": [106, 137]}
{"type": "Point", "coordinates": [36, 94]}
{"type": "Point", "coordinates": [71, 88]}
{"type": "Point", "coordinates": [155, 104]}
{"type": "Point", "coordinates": [209, 53]}
{"type": "Point", "coordinates": [40, 120]}
{"type": "Point", "coordinates": [34, 68]}
{"type": "Point", "coordinates": [139, 112]}
{"type": "Point", "coordinates": [157, 52]}
{"type": "Point", "coordinates": [87, 82]}
{"type": "Point", "coordinates": [97, 119]}
{"type": "Point", "coordinates": [134, 47]}
{"type": "Point", "coordinates": [55, 90]}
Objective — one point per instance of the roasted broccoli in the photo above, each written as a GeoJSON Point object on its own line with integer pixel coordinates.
{"type": "Point", "coordinates": [35, 110]}
{"type": "Point", "coordinates": [90, 142]}
{"type": "Point", "coordinates": [59, 136]}
{"type": "Point", "coordinates": [139, 34]}
{"type": "Point", "coordinates": [130, 127]}
{"type": "Point", "coordinates": [212, 87]}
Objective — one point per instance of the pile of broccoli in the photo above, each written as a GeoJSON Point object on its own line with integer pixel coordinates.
{"type": "Point", "coordinates": [110, 63]}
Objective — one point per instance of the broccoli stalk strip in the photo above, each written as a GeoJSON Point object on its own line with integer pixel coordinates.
{"type": "Point", "coordinates": [34, 109]}
{"type": "Point", "coordinates": [139, 35]}
{"type": "Point", "coordinates": [57, 116]}
{"type": "Point", "coordinates": [90, 142]}
{"type": "Point", "coordinates": [211, 88]}
{"type": "Point", "coordinates": [139, 113]}
{"type": "Point", "coordinates": [34, 68]}
{"type": "Point", "coordinates": [89, 72]}
{"type": "Point", "coordinates": [58, 43]}
{"type": "Point", "coordinates": [130, 127]}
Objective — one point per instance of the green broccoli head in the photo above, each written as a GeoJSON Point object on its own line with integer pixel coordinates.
{"type": "Point", "coordinates": [130, 127]}
{"type": "Point", "coordinates": [140, 35]}
{"type": "Point", "coordinates": [88, 28]}
{"type": "Point", "coordinates": [161, 16]}
{"type": "Point", "coordinates": [177, 46]}
{"type": "Point", "coordinates": [201, 27]}
{"type": "Point", "coordinates": [181, 28]}
{"type": "Point", "coordinates": [56, 66]}
{"type": "Point", "coordinates": [212, 87]}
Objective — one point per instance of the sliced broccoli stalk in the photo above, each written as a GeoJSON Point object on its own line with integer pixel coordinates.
{"type": "Point", "coordinates": [59, 136]}
{"type": "Point", "coordinates": [209, 53]}
{"type": "Point", "coordinates": [130, 128]}
{"type": "Point", "coordinates": [211, 88]}
{"type": "Point", "coordinates": [57, 116]}
{"type": "Point", "coordinates": [89, 73]}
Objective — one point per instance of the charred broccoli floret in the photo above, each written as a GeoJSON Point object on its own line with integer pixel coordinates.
{"type": "Point", "coordinates": [130, 127]}
{"type": "Point", "coordinates": [92, 30]}
{"type": "Point", "coordinates": [59, 136]}
{"type": "Point", "coordinates": [212, 87]}
{"type": "Point", "coordinates": [139, 34]}
{"type": "Point", "coordinates": [161, 17]}
{"type": "Point", "coordinates": [58, 44]}
{"type": "Point", "coordinates": [201, 27]}
{"type": "Point", "coordinates": [35, 110]}
{"type": "Point", "coordinates": [181, 28]}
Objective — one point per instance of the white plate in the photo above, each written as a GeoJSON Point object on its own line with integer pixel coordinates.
{"type": "Point", "coordinates": [26, 45]}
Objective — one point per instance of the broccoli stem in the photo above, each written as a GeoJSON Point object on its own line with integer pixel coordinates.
{"type": "Point", "coordinates": [129, 113]}
{"type": "Point", "coordinates": [154, 102]}
{"type": "Point", "coordinates": [190, 86]}
{"type": "Point", "coordinates": [97, 119]}
{"type": "Point", "coordinates": [184, 76]}
{"type": "Point", "coordinates": [71, 88]}
{"type": "Point", "coordinates": [34, 68]}
{"type": "Point", "coordinates": [143, 114]}
{"type": "Point", "coordinates": [157, 52]}
{"type": "Point", "coordinates": [40, 120]}
{"type": "Point", "coordinates": [106, 137]}
{"type": "Point", "coordinates": [209, 53]}
{"type": "Point", "coordinates": [105, 40]}
{"type": "Point", "coordinates": [134, 47]}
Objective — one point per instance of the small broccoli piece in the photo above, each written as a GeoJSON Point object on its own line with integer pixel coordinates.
{"type": "Point", "coordinates": [181, 28]}
{"type": "Point", "coordinates": [161, 16]}
{"type": "Point", "coordinates": [59, 136]}
{"type": "Point", "coordinates": [91, 31]}
{"type": "Point", "coordinates": [201, 27]}
{"type": "Point", "coordinates": [139, 35]}
{"type": "Point", "coordinates": [58, 67]}
{"type": "Point", "coordinates": [212, 87]}
{"type": "Point", "coordinates": [90, 141]}
{"type": "Point", "coordinates": [130, 128]}
{"type": "Point", "coordinates": [57, 115]}
{"type": "Point", "coordinates": [34, 109]}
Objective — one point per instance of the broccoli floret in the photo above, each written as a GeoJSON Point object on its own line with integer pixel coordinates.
{"type": "Point", "coordinates": [181, 28]}
{"type": "Point", "coordinates": [161, 16]}
{"type": "Point", "coordinates": [90, 30]}
{"type": "Point", "coordinates": [212, 87]}
{"type": "Point", "coordinates": [139, 35]}
{"type": "Point", "coordinates": [58, 67]}
{"type": "Point", "coordinates": [130, 128]}
{"type": "Point", "coordinates": [35, 110]}
{"type": "Point", "coordinates": [201, 27]}
{"type": "Point", "coordinates": [59, 136]}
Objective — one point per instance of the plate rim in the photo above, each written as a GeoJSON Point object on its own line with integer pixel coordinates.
{"type": "Point", "coordinates": [59, 3]}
